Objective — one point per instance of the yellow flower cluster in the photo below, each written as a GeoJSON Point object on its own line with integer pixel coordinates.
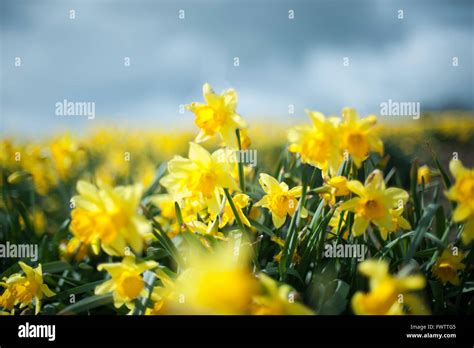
{"type": "Point", "coordinates": [108, 218]}
{"type": "Point", "coordinates": [24, 289]}
{"type": "Point", "coordinates": [222, 283]}
{"type": "Point", "coordinates": [462, 192]}
{"type": "Point", "coordinates": [220, 227]}
{"type": "Point", "coordinates": [206, 188]}
{"type": "Point", "coordinates": [447, 266]}
{"type": "Point", "coordinates": [218, 116]}
{"type": "Point", "coordinates": [325, 143]}
{"type": "Point", "coordinates": [376, 204]}
{"type": "Point", "coordinates": [127, 283]}
{"type": "Point", "coordinates": [388, 295]}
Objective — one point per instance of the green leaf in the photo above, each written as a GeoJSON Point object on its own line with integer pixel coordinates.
{"type": "Point", "coordinates": [438, 295]}
{"type": "Point", "coordinates": [56, 267]}
{"type": "Point", "coordinates": [87, 304]}
{"type": "Point", "coordinates": [166, 243]}
{"type": "Point", "coordinates": [444, 175]}
{"type": "Point", "coordinates": [336, 298]}
{"type": "Point", "coordinates": [261, 227]}
{"type": "Point", "coordinates": [76, 290]}
{"type": "Point", "coordinates": [156, 253]}
{"type": "Point", "coordinates": [50, 267]}
{"type": "Point", "coordinates": [440, 222]}
{"type": "Point", "coordinates": [312, 249]}
{"type": "Point", "coordinates": [425, 253]}
{"type": "Point", "coordinates": [423, 226]}
{"type": "Point", "coordinates": [160, 171]}
{"type": "Point", "coordinates": [288, 248]}
{"type": "Point", "coordinates": [414, 190]}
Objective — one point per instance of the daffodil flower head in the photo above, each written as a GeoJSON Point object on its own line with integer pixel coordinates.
{"type": "Point", "coordinates": [240, 201]}
{"type": "Point", "coordinates": [317, 144]}
{"type": "Point", "coordinates": [337, 187]}
{"type": "Point", "coordinates": [374, 203]}
{"type": "Point", "coordinates": [24, 289]}
{"type": "Point", "coordinates": [388, 295]}
{"type": "Point", "coordinates": [447, 266]}
{"type": "Point", "coordinates": [126, 283]}
{"type": "Point", "coordinates": [109, 218]}
{"type": "Point", "coordinates": [423, 175]}
{"type": "Point", "coordinates": [9, 297]}
{"type": "Point", "coordinates": [66, 155]}
{"type": "Point", "coordinates": [398, 222]}
{"type": "Point", "coordinates": [462, 192]}
{"type": "Point", "coordinates": [277, 299]}
{"type": "Point", "coordinates": [279, 199]}
{"type": "Point", "coordinates": [74, 248]}
{"type": "Point", "coordinates": [218, 116]}
{"type": "Point", "coordinates": [201, 175]}
{"type": "Point", "coordinates": [166, 205]}
{"type": "Point", "coordinates": [162, 295]}
{"type": "Point", "coordinates": [359, 136]}
{"type": "Point", "coordinates": [338, 221]}
{"type": "Point", "coordinates": [220, 282]}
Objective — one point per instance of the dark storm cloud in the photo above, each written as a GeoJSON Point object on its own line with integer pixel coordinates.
{"type": "Point", "coordinates": [282, 61]}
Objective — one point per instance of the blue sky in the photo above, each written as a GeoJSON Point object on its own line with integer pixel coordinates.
{"type": "Point", "coordinates": [282, 61]}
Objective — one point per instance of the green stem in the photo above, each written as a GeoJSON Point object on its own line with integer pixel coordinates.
{"type": "Point", "coordinates": [240, 164]}
{"type": "Point", "coordinates": [234, 211]}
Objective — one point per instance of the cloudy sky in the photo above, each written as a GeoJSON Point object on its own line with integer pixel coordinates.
{"type": "Point", "coordinates": [282, 61]}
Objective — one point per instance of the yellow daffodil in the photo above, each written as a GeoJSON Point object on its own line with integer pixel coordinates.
{"type": "Point", "coordinates": [165, 203]}
{"type": "Point", "coordinates": [38, 221]}
{"type": "Point", "coordinates": [73, 249]}
{"type": "Point", "coordinates": [317, 144]}
{"type": "Point", "coordinates": [359, 136]}
{"type": "Point", "coordinates": [447, 266]}
{"type": "Point", "coordinates": [399, 222]}
{"type": "Point", "coordinates": [279, 199]}
{"type": "Point", "coordinates": [191, 208]}
{"type": "Point", "coordinates": [240, 202]}
{"type": "Point", "coordinates": [277, 300]}
{"type": "Point", "coordinates": [109, 217]}
{"type": "Point", "coordinates": [423, 175]}
{"type": "Point", "coordinates": [462, 192]}
{"type": "Point", "coordinates": [337, 187]}
{"type": "Point", "coordinates": [388, 295]}
{"type": "Point", "coordinates": [127, 283]}
{"type": "Point", "coordinates": [9, 298]}
{"type": "Point", "coordinates": [335, 223]}
{"type": "Point", "coordinates": [217, 283]}
{"type": "Point", "coordinates": [245, 140]}
{"type": "Point", "coordinates": [281, 242]}
{"type": "Point", "coordinates": [218, 116]}
{"type": "Point", "coordinates": [163, 296]}
{"type": "Point", "coordinates": [36, 162]}
{"type": "Point", "coordinates": [209, 229]}
{"type": "Point", "coordinates": [24, 289]}
{"type": "Point", "coordinates": [144, 173]}
{"type": "Point", "coordinates": [374, 204]}
{"type": "Point", "coordinates": [7, 153]}
{"type": "Point", "coordinates": [66, 155]}
{"type": "Point", "coordinates": [200, 176]}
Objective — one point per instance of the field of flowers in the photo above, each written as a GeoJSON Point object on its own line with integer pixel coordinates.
{"type": "Point", "coordinates": [340, 215]}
